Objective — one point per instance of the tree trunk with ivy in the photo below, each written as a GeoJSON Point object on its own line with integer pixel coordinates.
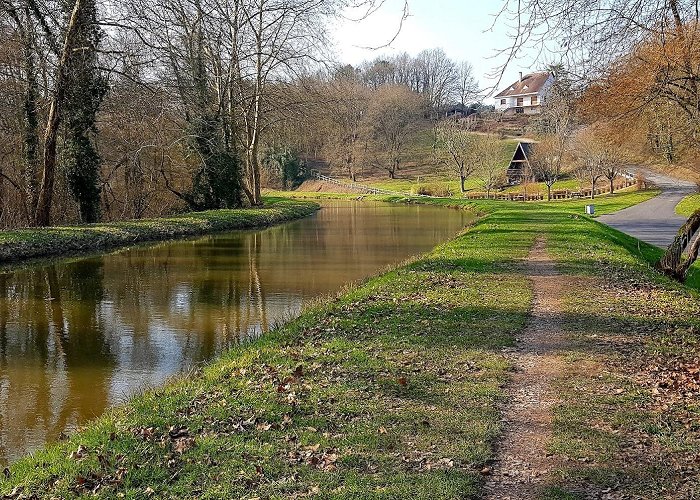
{"type": "Point", "coordinates": [87, 88]}
{"type": "Point", "coordinates": [31, 107]}
{"type": "Point", "coordinates": [45, 197]}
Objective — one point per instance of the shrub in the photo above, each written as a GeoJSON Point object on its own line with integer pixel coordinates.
{"type": "Point", "coordinates": [439, 189]}
{"type": "Point", "coordinates": [285, 165]}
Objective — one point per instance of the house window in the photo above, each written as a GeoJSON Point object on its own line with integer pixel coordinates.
{"type": "Point", "coordinates": [533, 100]}
{"type": "Point", "coordinates": [503, 102]}
{"type": "Point", "coordinates": [519, 102]}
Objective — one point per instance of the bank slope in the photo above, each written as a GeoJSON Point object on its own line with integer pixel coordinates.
{"type": "Point", "coordinates": [24, 244]}
{"type": "Point", "coordinates": [392, 390]}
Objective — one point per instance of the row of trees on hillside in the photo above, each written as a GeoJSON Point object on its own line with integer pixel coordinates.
{"type": "Point", "coordinates": [136, 108]}
{"type": "Point", "coordinates": [431, 74]}
{"type": "Point", "coordinates": [358, 127]}
{"type": "Point", "coordinates": [367, 117]}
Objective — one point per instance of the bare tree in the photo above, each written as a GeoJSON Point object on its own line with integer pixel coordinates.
{"type": "Point", "coordinates": [555, 124]}
{"type": "Point", "coordinates": [594, 158]}
{"type": "Point", "coordinates": [343, 113]}
{"type": "Point", "coordinates": [439, 75]}
{"type": "Point", "coordinates": [612, 171]}
{"type": "Point", "coordinates": [490, 167]}
{"type": "Point", "coordinates": [392, 117]}
{"type": "Point", "coordinates": [546, 161]}
{"type": "Point", "coordinates": [461, 149]}
{"type": "Point", "coordinates": [467, 85]}
{"type": "Point", "coordinates": [590, 33]}
{"type": "Point", "coordinates": [468, 153]}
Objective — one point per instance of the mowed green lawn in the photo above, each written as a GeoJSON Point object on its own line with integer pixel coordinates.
{"type": "Point", "coordinates": [394, 389]}
{"type": "Point", "coordinates": [429, 169]}
{"type": "Point", "coordinates": [688, 205]}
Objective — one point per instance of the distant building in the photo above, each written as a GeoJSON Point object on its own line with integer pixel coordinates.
{"type": "Point", "coordinates": [457, 111]}
{"type": "Point", "coordinates": [526, 95]}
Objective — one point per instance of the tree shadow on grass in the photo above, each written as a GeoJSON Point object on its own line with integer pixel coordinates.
{"type": "Point", "coordinates": [609, 429]}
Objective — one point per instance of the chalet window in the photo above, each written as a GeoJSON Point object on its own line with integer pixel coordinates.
{"type": "Point", "coordinates": [533, 100]}
{"type": "Point", "coordinates": [520, 101]}
{"type": "Point", "coordinates": [503, 102]}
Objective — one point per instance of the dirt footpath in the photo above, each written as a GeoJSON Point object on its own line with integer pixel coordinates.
{"type": "Point", "coordinates": [522, 466]}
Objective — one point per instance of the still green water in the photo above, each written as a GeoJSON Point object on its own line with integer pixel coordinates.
{"type": "Point", "coordinates": [79, 336]}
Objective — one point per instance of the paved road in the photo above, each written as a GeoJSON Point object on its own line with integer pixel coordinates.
{"type": "Point", "coordinates": [654, 221]}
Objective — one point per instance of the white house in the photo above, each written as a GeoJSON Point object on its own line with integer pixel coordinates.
{"type": "Point", "coordinates": [526, 95]}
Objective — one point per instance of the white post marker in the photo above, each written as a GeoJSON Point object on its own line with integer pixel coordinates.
{"type": "Point", "coordinates": [590, 209]}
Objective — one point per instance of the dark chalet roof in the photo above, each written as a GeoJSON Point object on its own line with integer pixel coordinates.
{"type": "Point", "coordinates": [530, 84]}
{"type": "Point", "coordinates": [520, 163]}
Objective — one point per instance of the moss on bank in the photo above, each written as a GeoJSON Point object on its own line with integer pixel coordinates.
{"type": "Point", "coordinates": [24, 244]}
{"type": "Point", "coordinates": [394, 389]}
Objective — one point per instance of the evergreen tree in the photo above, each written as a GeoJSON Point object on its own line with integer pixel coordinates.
{"type": "Point", "coordinates": [286, 164]}
{"type": "Point", "coordinates": [216, 183]}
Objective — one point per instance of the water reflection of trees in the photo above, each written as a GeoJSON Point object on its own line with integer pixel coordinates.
{"type": "Point", "coordinates": [75, 337]}
{"type": "Point", "coordinates": [55, 362]}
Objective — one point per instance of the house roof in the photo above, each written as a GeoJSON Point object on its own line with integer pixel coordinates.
{"type": "Point", "coordinates": [530, 84]}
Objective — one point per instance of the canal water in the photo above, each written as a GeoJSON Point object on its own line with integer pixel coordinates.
{"type": "Point", "coordinates": [80, 335]}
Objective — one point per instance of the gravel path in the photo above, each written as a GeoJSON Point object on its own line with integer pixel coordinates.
{"type": "Point", "coordinates": [654, 221]}
{"type": "Point", "coordinates": [523, 466]}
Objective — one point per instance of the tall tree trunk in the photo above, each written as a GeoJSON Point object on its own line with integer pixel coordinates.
{"type": "Point", "coordinates": [45, 198]}
{"type": "Point", "coordinates": [612, 185]}
{"type": "Point", "coordinates": [255, 125]}
{"type": "Point", "coordinates": [256, 175]}
{"type": "Point", "coordinates": [31, 132]}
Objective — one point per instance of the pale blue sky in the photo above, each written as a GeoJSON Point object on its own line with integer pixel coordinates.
{"type": "Point", "coordinates": [461, 27]}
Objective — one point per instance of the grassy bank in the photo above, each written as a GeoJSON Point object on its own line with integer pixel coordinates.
{"type": "Point", "coordinates": [26, 244]}
{"type": "Point", "coordinates": [604, 204]}
{"type": "Point", "coordinates": [394, 389]}
{"type": "Point", "coordinates": [626, 425]}
{"type": "Point", "coordinates": [688, 205]}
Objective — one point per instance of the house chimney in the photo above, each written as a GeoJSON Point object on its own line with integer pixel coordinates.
{"type": "Point", "coordinates": [521, 76]}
